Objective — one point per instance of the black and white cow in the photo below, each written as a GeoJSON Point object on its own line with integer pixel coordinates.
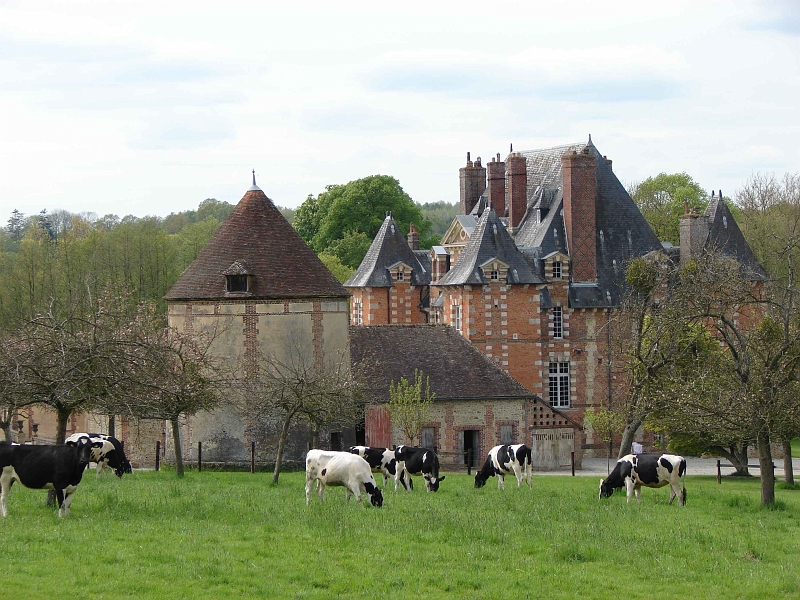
{"type": "Point", "coordinates": [420, 461]}
{"type": "Point", "coordinates": [382, 460]}
{"type": "Point", "coordinates": [341, 468]}
{"type": "Point", "coordinates": [58, 468]}
{"type": "Point", "coordinates": [650, 470]}
{"type": "Point", "coordinates": [503, 459]}
{"type": "Point", "coordinates": [109, 454]}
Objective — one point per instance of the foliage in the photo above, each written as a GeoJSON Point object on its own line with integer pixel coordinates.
{"type": "Point", "coordinates": [604, 423]}
{"type": "Point", "coordinates": [661, 200]}
{"type": "Point", "coordinates": [341, 271]}
{"type": "Point", "coordinates": [410, 404]}
{"type": "Point", "coordinates": [216, 535]}
{"type": "Point", "coordinates": [350, 249]}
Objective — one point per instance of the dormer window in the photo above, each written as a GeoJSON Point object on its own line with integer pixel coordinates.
{"type": "Point", "coordinates": [237, 278]}
{"type": "Point", "coordinates": [236, 283]}
{"type": "Point", "coordinates": [401, 276]}
{"type": "Point", "coordinates": [557, 270]}
{"type": "Point", "coordinates": [494, 275]}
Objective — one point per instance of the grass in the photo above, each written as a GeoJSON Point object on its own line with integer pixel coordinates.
{"type": "Point", "coordinates": [234, 535]}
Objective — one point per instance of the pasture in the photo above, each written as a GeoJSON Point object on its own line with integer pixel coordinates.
{"type": "Point", "coordinates": [234, 535]}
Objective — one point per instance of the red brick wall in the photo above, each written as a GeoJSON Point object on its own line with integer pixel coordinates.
{"type": "Point", "coordinates": [580, 198]}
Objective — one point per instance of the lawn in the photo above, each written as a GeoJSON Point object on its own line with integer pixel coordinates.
{"type": "Point", "coordinates": [234, 535]}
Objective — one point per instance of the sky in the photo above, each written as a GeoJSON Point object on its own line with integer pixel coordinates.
{"type": "Point", "coordinates": [148, 108]}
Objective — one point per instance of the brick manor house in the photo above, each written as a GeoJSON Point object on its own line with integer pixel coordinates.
{"type": "Point", "coordinates": [529, 273]}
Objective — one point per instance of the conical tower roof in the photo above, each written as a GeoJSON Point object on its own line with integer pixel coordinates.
{"type": "Point", "coordinates": [258, 241]}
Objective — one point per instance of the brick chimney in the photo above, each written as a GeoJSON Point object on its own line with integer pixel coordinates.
{"type": "Point", "coordinates": [497, 185]}
{"type": "Point", "coordinates": [580, 217]}
{"type": "Point", "coordinates": [413, 237]}
{"type": "Point", "coordinates": [694, 233]}
{"type": "Point", "coordinates": [472, 180]}
{"type": "Point", "coordinates": [517, 193]}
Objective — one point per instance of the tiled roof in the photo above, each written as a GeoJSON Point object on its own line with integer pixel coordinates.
{"type": "Point", "coordinates": [267, 248]}
{"type": "Point", "coordinates": [489, 240]}
{"type": "Point", "coordinates": [725, 236]}
{"type": "Point", "coordinates": [457, 369]}
{"type": "Point", "coordinates": [622, 231]}
{"type": "Point", "coordinates": [387, 249]}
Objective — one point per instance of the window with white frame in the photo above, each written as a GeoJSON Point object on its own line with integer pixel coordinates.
{"type": "Point", "coordinates": [401, 276]}
{"type": "Point", "coordinates": [358, 313]}
{"type": "Point", "coordinates": [559, 384]}
{"type": "Point", "coordinates": [557, 270]}
{"type": "Point", "coordinates": [558, 322]}
{"type": "Point", "coordinates": [456, 312]}
{"type": "Point", "coordinates": [494, 275]}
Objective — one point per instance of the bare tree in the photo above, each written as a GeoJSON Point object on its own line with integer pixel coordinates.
{"type": "Point", "coordinates": [410, 404]}
{"type": "Point", "coordinates": [293, 386]}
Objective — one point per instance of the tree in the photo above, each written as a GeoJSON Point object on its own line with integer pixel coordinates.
{"type": "Point", "coordinates": [410, 404]}
{"type": "Point", "coordinates": [350, 249]}
{"type": "Point", "coordinates": [661, 200]}
{"type": "Point", "coordinates": [606, 424]}
{"type": "Point", "coordinates": [341, 271]}
{"type": "Point", "coordinates": [294, 385]}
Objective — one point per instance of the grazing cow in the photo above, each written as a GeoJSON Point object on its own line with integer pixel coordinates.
{"type": "Point", "coordinates": [650, 470]}
{"type": "Point", "coordinates": [58, 468]}
{"type": "Point", "coordinates": [108, 454]}
{"type": "Point", "coordinates": [504, 459]}
{"type": "Point", "coordinates": [420, 461]}
{"type": "Point", "coordinates": [340, 468]}
{"type": "Point", "coordinates": [382, 460]}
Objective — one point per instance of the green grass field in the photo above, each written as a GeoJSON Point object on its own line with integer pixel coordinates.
{"type": "Point", "coordinates": [234, 535]}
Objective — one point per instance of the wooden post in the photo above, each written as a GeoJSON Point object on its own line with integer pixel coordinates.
{"type": "Point", "coordinates": [719, 472]}
{"type": "Point", "coordinates": [158, 454]}
{"type": "Point", "coordinates": [199, 456]}
{"type": "Point", "coordinates": [252, 457]}
{"type": "Point", "coordinates": [572, 461]}
{"type": "Point", "coordinates": [469, 461]}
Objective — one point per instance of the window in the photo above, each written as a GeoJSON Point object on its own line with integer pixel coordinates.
{"type": "Point", "coordinates": [401, 276]}
{"type": "Point", "coordinates": [456, 317]}
{"type": "Point", "coordinates": [236, 283]}
{"type": "Point", "coordinates": [559, 384]}
{"type": "Point", "coordinates": [558, 322]}
{"type": "Point", "coordinates": [494, 275]}
{"type": "Point", "coordinates": [557, 270]}
{"type": "Point", "coordinates": [358, 314]}
{"type": "Point", "coordinates": [427, 437]}
{"type": "Point", "coordinates": [506, 434]}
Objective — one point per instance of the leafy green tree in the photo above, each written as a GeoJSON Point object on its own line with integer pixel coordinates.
{"type": "Point", "coordinates": [410, 404]}
{"type": "Point", "coordinates": [661, 200]}
{"type": "Point", "coordinates": [350, 249]}
{"type": "Point", "coordinates": [340, 271]}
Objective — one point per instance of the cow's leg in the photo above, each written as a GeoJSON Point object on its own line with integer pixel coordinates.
{"type": "Point", "coordinates": [62, 510]}
{"type": "Point", "coordinates": [67, 500]}
{"type": "Point", "coordinates": [529, 475]}
{"type": "Point", "coordinates": [638, 490]}
{"type": "Point", "coordinates": [629, 485]}
{"type": "Point", "coordinates": [6, 481]}
{"type": "Point", "coordinates": [675, 492]}
{"type": "Point", "coordinates": [501, 481]}
{"type": "Point", "coordinates": [518, 474]}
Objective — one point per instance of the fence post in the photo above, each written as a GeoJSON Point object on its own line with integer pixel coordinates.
{"type": "Point", "coordinates": [719, 472]}
{"type": "Point", "coordinates": [158, 454]}
{"type": "Point", "coordinates": [469, 461]}
{"type": "Point", "coordinates": [252, 457]}
{"type": "Point", "coordinates": [199, 456]}
{"type": "Point", "coordinates": [572, 462]}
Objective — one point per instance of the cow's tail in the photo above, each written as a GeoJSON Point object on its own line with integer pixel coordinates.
{"type": "Point", "coordinates": [682, 473]}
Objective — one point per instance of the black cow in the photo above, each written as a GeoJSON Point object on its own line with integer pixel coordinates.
{"type": "Point", "coordinates": [382, 460]}
{"type": "Point", "coordinates": [505, 459]}
{"type": "Point", "coordinates": [109, 454]}
{"type": "Point", "coordinates": [58, 468]}
{"type": "Point", "coordinates": [420, 461]}
{"type": "Point", "coordinates": [650, 470]}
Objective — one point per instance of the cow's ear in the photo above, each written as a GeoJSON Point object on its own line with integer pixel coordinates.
{"type": "Point", "coordinates": [73, 444]}
{"type": "Point", "coordinates": [441, 478]}
{"type": "Point", "coordinates": [97, 444]}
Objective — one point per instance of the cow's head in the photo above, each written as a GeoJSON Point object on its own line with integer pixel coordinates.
{"type": "Point", "coordinates": [432, 482]}
{"type": "Point", "coordinates": [84, 447]}
{"type": "Point", "coordinates": [480, 480]}
{"type": "Point", "coordinates": [605, 489]}
{"type": "Point", "coordinates": [375, 494]}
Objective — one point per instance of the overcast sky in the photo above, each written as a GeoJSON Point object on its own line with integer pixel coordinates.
{"type": "Point", "coordinates": [147, 108]}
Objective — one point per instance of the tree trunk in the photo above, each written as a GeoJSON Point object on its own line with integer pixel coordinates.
{"type": "Point", "coordinates": [7, 431]}
{"type": "Point", "coordinates": [176, 439]}
{"type": "Point", "coordinates": [281, 446]}
{"type": "Point", "coordinates": [627, 437]}
{"type": "Point", "coordinates": [788, 469]}
{"type": "Point", "coordinates": [315, 436]}
{"type": "Point", "coordinates": [61, 435]}
{"type": "Point", "coordinates": [111, 423]}
{"type": "Point", "coordinates": [767, 469]}
{"type": "Point", "coordinates": [737, 457]}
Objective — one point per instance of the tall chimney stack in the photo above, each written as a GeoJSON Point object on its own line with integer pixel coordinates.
{"type": "Point", "coordinates": [517, 193]}
{"type": "Point", "coordinates": [497, 185]}
{"type": "Point", "coordinates": [472, 183]}
{"type": "Point", "coordinates": [413, 237]}
{"type": "Point", "coordinates": [580, 216]}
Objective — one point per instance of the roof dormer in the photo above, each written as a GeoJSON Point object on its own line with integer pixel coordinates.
{"type": "Point", "coordinates": [495, 269]}
{"type": "Point", "coordinates": [237, 278]}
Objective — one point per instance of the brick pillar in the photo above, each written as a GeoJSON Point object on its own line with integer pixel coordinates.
{"type": "Point", "coordinates": [472, 180]}
{"type": "Point", "coordinates": [580, 217]}
{"type": "Point", "coordinates": [517, 193]}
{"type": "Point", "coordinates": [496, 171]}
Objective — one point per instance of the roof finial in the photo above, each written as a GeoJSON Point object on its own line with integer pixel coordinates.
{"type": "Point", "coordinates": [254, 176]}
{"type": "Point", "coordinates": [511, 148]}
{"type": "Point", "coordinates": [590, 140]}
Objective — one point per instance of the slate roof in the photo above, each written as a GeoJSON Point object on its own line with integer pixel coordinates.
{"type": "Point", "coordinates": [725, 236]}
{"type": "Point", "coordinates": [622, 231]}
{"type": "Point", "coordinates": [256, 239]}
{"type": "Point", "coordinates": [457, 369]}
{"type": "Point", "coordinates": [387, 249]}
{"type": "Point", "coordinates": [490, 240]}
